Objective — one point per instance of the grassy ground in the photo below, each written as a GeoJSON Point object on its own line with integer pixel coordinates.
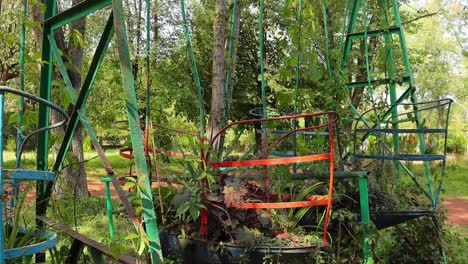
{"type": "Point", "coordinates": [463, 231]}
{"type": "Point", "coordinates": [456, 183]}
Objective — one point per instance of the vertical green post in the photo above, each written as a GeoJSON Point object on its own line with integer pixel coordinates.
{"type": "Point", "coordinates": [299, 55]}
{"type": "Point", "coordinates": [44, 112]}
{"type": "Point", "coordinates": [19, 121]}
{"type": "Point", "coordinates": [422, 147]}
{"type": "Point", "coordinates": [404, 49]}
{"type": "Point", "coordinates": [45, 90]}
{"type": "Point", "coordinates": [227, 83]}
{"type": "Point", "coordinates": [110, 210]}
{"type": "Point", "coordinates": [348, 42]}
{"type": "Point", "coordinates": [193, 66]}
{"type": "Point", "coordinates": [365, 217]}
{"type": "Point", "coordinates": [390, 65]}
{"type": "Point", "coordinates": [262, 59]}
{"type": "Point", "coordinates": [135, 132]}
{"type": "Point", "coordinates": [148, 78]}
{"type": "Point", "coordinates": [327, 39]}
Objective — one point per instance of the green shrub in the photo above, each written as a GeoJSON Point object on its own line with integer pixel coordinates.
{"type": "Point", "coordinates": [10, 144]}
{"type": "Point", "coordinates": [87, 146]}
{"type": "Point", "coordinates": [456, 144]}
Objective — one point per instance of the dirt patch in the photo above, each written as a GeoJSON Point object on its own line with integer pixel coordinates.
{"type": "Point", "coordinates": [457, 211]}
{"type": "Point", "coordinates": [96, 188]}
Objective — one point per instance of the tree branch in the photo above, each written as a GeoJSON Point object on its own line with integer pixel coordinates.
{"type": "Point", "coordinates": [421, 17]}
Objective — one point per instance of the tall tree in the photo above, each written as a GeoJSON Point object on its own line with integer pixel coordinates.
{"type": "Point", "coordinates": [9, 28]}
{"type": "Point", "coordinates": [74, 175]}
{"type": "Point", "coordinates": [218, 69]}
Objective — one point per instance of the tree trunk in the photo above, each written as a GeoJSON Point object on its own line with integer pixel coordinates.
{"type": "Point", "coordinates": [218, 70]}
{"type": "Point", "coordinates": [35, 14]}
{"type": "Point", "coordinates": [74, 176]}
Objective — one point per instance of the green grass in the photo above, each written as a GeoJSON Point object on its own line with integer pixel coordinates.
{"type": "Point", "coordinates": [457, 243]}
{"type": "Point", "coordinates": [95, 168]}
{"type": "Point", "coordinates": [89, 217]}
{"type": "Point", "coordinates": [116, 161]}
{"type": "Point", "coordinates": [456, 181]}
{"type": "Point", "coordinates": [456, 177]}
{"type": "Point", "coordinates": [462, 230]}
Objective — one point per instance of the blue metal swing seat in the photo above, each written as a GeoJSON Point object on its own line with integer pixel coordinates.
{"type": "Point", "coordinates": [43, 239]}
{"type": "Point", "coordinates": [415, 132]}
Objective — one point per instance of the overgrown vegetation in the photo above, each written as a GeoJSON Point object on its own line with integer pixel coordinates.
{"type": "Point", "coordinates": [437, 43]}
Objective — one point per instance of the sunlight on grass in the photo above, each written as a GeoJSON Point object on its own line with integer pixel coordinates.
{"type": "Point", "coordinates": [462, 230]}
{"type": "Point", "coordinates": [90, 217]}
{"type": "Point", "coordinates": [456, 182]}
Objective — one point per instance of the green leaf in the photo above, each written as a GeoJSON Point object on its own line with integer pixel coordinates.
{"type": "Point", "coordinates": [194, 213]}
{"type": "Point", "coordinates": [183, 208]}
{"type": "Point", "coordinates": [129, 185]}
{"type": "Point", "coordinates": [132, 236]}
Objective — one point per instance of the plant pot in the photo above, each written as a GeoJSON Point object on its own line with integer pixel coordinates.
{"type": "Point", "coordinates": [187, 250]}
{"type": "Point", "coordinates": [240, 254]}
{"type": "Point", "coordinates": [193, 250]}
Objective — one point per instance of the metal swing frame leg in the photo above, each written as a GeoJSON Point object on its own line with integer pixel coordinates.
{"type": "Point", "coordinates": [365, 218]}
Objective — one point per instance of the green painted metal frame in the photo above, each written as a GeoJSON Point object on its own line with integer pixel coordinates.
{"type": "Point", "coordinates": [80, 111]}
{"type": "Point", "coordinates": [365, 216]}
{"type": "Point", "coordinates": [408, 78]}
{"type": "Point", "coordinates": [52, 22]}
{"type": "Point", "coordinates": [135, 131]}
{"type": "Point", "coordinates": [19, 120]}
{"type": "Point", "coordinates": [229, 73]}
{"type": "Point", "coordinates": [406, 62]}
{"type": "Point", "coordinates": [262, 59]}
{"type": "Point", "coordinates": [75, 12]}
{"type": "Point", "coordinates": [390, 62]}
{"type": "Point", "coordinates": [110, 209]}
{"type": "Point", "coordinates": [390, 65]}
{"type": "Point", "coordinates": [194, 69]}
{"type": "Point", "coordinates": [387, 33]}
{"type": "Point", "coordinates": [42, 195]}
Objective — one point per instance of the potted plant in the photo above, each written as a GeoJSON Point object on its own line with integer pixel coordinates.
{"type": "Point", "coordinates": [283, 228]}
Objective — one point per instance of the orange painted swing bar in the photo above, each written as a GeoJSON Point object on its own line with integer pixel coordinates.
{"type": "Point", "coordinates": [313, 200]}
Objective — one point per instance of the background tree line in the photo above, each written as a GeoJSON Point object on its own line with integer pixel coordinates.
{"type": "Point", "coordinates": [436, 36]}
